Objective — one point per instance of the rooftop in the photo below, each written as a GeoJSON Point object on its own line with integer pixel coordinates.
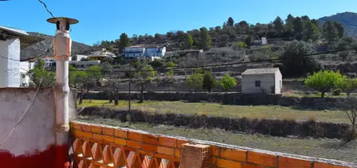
{"type": "Point", "coordinates": [102, 53]}
{"type": "Point", "coordinates": [260, 71]}
{"type": "Point", "coordinates": [12, 31]}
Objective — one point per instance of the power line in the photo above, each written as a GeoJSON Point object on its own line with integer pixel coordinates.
{"type": "Point", "coordinates": [46, 8]}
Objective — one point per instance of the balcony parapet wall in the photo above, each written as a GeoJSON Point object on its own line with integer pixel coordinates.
{"type": "Point", "coordinates": [105, 146]}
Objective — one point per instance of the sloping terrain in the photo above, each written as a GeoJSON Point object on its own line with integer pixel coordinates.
{"type": "Point", "coordinates": [44, 48]}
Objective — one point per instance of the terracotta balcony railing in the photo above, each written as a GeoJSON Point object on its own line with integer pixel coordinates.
{"type": "Point", "coordinates": [98, 146]}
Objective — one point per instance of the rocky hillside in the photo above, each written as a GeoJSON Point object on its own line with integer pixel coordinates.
{"type": "Point", "coordinates": [44, 47]}
{"type": "Point", "coordinates": [347, 19]}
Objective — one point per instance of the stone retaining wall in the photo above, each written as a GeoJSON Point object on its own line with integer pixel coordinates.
{"type": "Point", "coordinates": [231, 98]}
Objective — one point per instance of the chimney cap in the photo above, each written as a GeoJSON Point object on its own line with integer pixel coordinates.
{"type": "Point", "coordinates": [56, 19]}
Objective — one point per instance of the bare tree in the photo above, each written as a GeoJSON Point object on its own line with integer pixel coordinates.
{"type": "Point", "coordinates": [351, 113]}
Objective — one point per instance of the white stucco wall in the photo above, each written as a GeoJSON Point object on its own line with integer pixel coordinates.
{"type": "Point", "coordinates": [278, 83]}
{"type": "Point", "coordinates": [25, 67]}
{"type": "Point", "coordinates": [35, 132]}
{"type": "Point", "coordinates": [266, 82]}
{"type": "Point", "coordinates": [10, 63]}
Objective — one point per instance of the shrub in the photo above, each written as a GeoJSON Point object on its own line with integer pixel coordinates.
{"type": "Point", "coordinates": [348, 85]}
{"type": "Point", "coordinates": [195, 81]}
{"type": "Point", "coordinates": [343, 55]}
{"type": "Point", "coordinates": [239, 45]}
{"type": "Point", "coordinates": [296, 60]}
{"type": "Point", "coordinates": [228, 82]}
{"type": "Point", "coordinates": [209, 81]}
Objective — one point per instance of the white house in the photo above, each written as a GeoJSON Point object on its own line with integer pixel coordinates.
{"type": "Point", "coordinates": [139, 52]}
{"type": "Point", "coordinates": [262, 80]}
{"type": "Point", "coordinates": [10, 57]}
{"type": "Point", "coordinates": [79, 57]}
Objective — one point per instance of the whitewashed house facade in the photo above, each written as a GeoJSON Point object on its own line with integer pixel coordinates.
{"type": "Point", "coordinates": [10, 75]}
{"type": "Point", "coordinates": [262, 80]}
{"type": "Point", "coordinates": [139, 52]}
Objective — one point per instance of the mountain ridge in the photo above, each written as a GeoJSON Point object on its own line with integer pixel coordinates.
{"type": "Point", "coordinates": [347, 19]}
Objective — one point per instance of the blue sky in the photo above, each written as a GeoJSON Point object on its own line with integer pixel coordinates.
{"type": "Point", "coordinates": [106, 19]}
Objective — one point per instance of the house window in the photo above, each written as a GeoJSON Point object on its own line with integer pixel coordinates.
{"type": "Point", "coordinates": [257, 83]}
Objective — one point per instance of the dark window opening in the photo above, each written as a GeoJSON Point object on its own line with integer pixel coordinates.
{"type": "Point", "coordinates": [257, 83]}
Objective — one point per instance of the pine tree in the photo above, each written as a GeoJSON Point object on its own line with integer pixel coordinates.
{"type": "Point", "coordinates": [230, 22]}
{"type": "Point", "coordinates": [278, 26]}
{"type": "Point", "coordinates": [123, 42]}
{"type": "Point", "coordinates": [205, 39]}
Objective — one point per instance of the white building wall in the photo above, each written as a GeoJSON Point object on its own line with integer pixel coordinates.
{"type": "Point", "coordinates": [267, 81]}
{"type": "Point", "coordinates": [278, 83]}
{"type": "Point", "coordinates": [10, 63]}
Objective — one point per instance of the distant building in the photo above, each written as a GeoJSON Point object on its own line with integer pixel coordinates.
{"type": "Point", "coordinates": [25, 67]}
{"type": "Point", "coordinates": [101, 55]}
{"type": "Point", "coordinates": [10, 57]}
{"type": "Point", "coordinates": [79, 57]}
{"type": "Point", "coordinates": [264, 41]}
{"type": "Point", "coordinates": [138, 52]}
{"type": "Point", "coordinates": [262, 80]}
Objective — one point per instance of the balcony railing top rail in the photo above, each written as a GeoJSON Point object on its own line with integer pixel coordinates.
{"type": "Point", "coordinates": [100, 146]}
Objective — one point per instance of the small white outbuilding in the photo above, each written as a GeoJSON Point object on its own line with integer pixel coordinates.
{"type": "Point", "coordinates": [262, 80]}
{"type": "Point", "coordinates": [10, 57]}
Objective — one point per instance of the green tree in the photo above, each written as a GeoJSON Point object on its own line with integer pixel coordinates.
{"type": "Point", "coordinates": [239, 45]}
{"type": "Point", "coordinates": [84, 80]}
{"type": "Point", "coordinates": [331, 32]}
{"type": "Point", "coordinates": [195, 81]}
{"type": "Point", "coordinates": [205, 39]}
{"type": "Point", "coordinates": [296, 61]}
{"type": "Point", "coordinates": [340, 30]}
{"type": "Point", "coordinates": [311, 31]}
{"type": "Point", "coordinates": [348, 85]}
{"type": "Point", "coordinates": [95, 73]}
{"type": "Point", "coordinates": [168, 79]}
{"type": "Point", "coordinates": [344, 43]}
{"type": "Point", "coordinates": [188, 41]}
{"type": "Point", "coordinates": [324, 81]}
{"type": "Point", "coordinates": [40, 77]}
{"type": "Point", "coordinates": [278, 26]}
{"type": "Point", "coordinates": [123, 42]}
{"type": "Point", "coordinates": [289, 25]}
{"type": "Point", "coordinates": [144, 75]}
{"type": "Point", "coordinates": [230, 22]}
{"type": "Point", "coordinates": [228, 82]}
{"type": "Point", "coordinates": [243, 27]}
{"type": "Point", "coordinates": [209, 81]}
{"type": "Point", "coordinates": [78, 81]}
{"type": "Point", "coordinates": [298, 28]}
